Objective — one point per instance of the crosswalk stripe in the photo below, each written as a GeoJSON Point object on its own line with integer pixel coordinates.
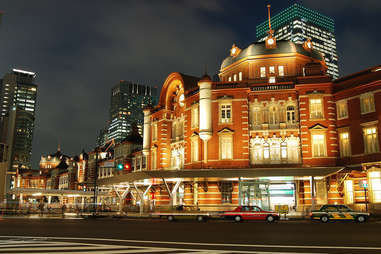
{"type": "Point", "coordinates": [47, 244]}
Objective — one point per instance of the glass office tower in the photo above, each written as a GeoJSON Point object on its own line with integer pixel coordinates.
{"type": "Point", "coordinates": [297, 23]}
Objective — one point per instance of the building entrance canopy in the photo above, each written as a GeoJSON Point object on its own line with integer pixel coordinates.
{"type": "Point", "coordinates": [221, 173]}
{"type": "Point", "coordinates": [54, 192]}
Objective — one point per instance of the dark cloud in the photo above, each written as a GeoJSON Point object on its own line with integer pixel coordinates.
{"type": "Point", "coordinates": [80, 49]}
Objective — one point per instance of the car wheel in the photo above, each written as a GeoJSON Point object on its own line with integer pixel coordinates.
{"type": "Point", "coordinates": [270, 218]}
{"type": "Point", "coordinates": [200, 218]}
{"type": "Point", "coordinates": [361, 218]}
{"type": "Point", "coordinates": [324, 219]}
{"type": "Point", "coordinates": [170, 218]}
{"type": "Point", "coordinates": [237, 218]}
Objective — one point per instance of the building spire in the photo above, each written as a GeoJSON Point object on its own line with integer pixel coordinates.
{"type": "Point", "coordinates": [59, 146]}
{"type": "Point", "coordinates": [270, 41]}
{"type": "Point", "coordinates": [270, 30]}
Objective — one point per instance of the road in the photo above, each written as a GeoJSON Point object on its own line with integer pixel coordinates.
{"type": "Point", "coordinates": [160, 236]}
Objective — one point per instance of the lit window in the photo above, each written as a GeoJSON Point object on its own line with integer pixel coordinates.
{"type": "Point", "coordinates": [154, 159]}
{"type": "Point", "coordinates": [367, 103]}
{"type": "Point", "coordinates": [194, 120]}
{"type": "Point", "coordinates": [235, 77]}
{"type": "Point", "coordinates": [370, 140]}
{"type": "Point", "coordinates": [342, 109]}
{"type": "Point", "coordinates": [230, 79]}
{"type": "Point", "coordinates": [266, 151]}
{"type": "Point", "coordinates": [272, 70]}
{"type": "Point", "coordinates": [290, 114]}
{"type": "Point", "coordinates": [194, 148]}
{"type": "Point", "coordinates": [349, 193]}
{"type": "Point", "coordinates": [283, 150]}
{"type": "Point", "coordinates": [318, 145]}
{"type": "Point", "coordinates": [273, 115]}
{"type": "Point", "coordinates": [154, 131]}
{"type": "Point", "coordinates": [226, 111]}
{"type": "Point", "coordinates": [226, 192]}
{"type": "Point", "coordinates": [375, 186]}
{"type": "Point", "coordinates": [226, 147]}
{"type": "Point", "coordinates": [263, 72]}
{"type": "Point", "coordinates": [281, 70]}
{"type": "Point", "coordinates": [345, 149]}
{"type": "Point", "coordinates": [257, 115]}
{"type": "Point", "coordinates": [240, 76]}
{"type": "Point", "coordinates": [271, 80]}
{"type": "Point", "coordinates": [316, 108]}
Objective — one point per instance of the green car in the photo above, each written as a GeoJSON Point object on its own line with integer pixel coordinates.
{"type": "Point", "coordinates": [338, 212]}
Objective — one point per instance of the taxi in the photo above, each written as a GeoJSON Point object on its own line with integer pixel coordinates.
{"type": "Point", "coordinates": [250, 213]}
{"type": "Point", "coordinates": [338, 212]}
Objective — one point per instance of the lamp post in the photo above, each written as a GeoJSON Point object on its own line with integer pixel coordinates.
{"type": "Point", "coordinates": [95, 182]}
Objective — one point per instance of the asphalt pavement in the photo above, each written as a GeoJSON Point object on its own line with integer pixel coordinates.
{"type": "Point", "coordinates": [160, 236]}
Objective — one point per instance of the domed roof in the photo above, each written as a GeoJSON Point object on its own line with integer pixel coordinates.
{"type": "Point", "coordinates": [282, 47]}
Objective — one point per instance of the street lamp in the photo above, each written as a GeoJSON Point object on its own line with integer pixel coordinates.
{"type": "Point", "coordinates": [95, 182]}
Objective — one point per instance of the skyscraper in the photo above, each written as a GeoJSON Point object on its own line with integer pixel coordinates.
{"type": "Point", "coordinates": [126, 109]}
{"type": "Point", "coordinates": [297, 23]}
{"type": "Point", "coordinates": [17, 104]}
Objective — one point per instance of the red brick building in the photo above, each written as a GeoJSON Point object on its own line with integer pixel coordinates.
{"type": "Point", "coordinates": [274, 126]}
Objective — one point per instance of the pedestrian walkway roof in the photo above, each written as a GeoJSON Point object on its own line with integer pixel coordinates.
{"type": "Point", "coordinates": [54, 192]}
{"type": "Point", "coordinates": [220, 173]}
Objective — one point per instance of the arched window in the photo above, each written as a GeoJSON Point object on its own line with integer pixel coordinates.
{"type": "Point", "coordinates": [174, 129]}
{"type": "Point", "coordinates": [283, 150]}
{"type": "Point", "coordinates": [257, 115]}
{"type": "Point", "coordinates": [290, 114]}
{"type": "Point", "coordinates": [266, 151]}
{"type": "Point", "coordinates": [235, 77]}
{"type": "Point", "coordinates": [273, 115]}
{"type": "Point", "coordinates": [240, 76]}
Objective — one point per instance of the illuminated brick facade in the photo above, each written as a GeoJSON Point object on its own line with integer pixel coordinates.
{"type": "Point", "coordinates": [274, 109]}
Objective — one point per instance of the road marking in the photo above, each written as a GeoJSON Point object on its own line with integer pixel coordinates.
{"type": "Point", "coordinates": [74, 247]}
{"type": "Point", "coordinates": [204, 244]}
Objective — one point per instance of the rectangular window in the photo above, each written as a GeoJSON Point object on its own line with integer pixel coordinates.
{"type": "Point", "coordinates": [226, 146]}
{"type": "Point", "coordinates": [349, 192]}
{"type": "Point", "coordinates": [194, 120]}
{"type": "Point", "coordinates": [154, 159]}
{"type": "Point", "coordinates": [367, 103]}
{"type": "Point", "coordinates": [375, 186]}
{"type": "Point", "coordinates": [271, 80]}
{"type": "Point", "coordinates": [316, 108]}
{"type": "Point", "coordinates": [225, 113]}
{"type": "Point", "coordinates": [226, 192]}
{"type": "Point", "coordinates": [272, 70]}
{"type": "Point", "coordinates": [194, 149]}
{"type": "Point", "coordinates": [281, 70]}
{"type": "Point", "coordinates": [235, 77]}
{"type": "Point", "coordinates": [240, 76]}
{"type": "Point", "coordinates": [230, 79]}
{"type": "Point", "coordinates": [154, 131]}
{"type": "Point", "coordinates": [263, 72]}
{"type": "Point", "coordinates": [345, 149]}
{"type": "Point", "coordinates": [370, 140]}
{"type": "Point", "coordinates": [342, 109]}
{"type": "Point", "coordinates": [318, 145]}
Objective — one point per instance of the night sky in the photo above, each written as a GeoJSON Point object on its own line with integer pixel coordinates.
{"type": "Point", "coordinates": [81, 48]}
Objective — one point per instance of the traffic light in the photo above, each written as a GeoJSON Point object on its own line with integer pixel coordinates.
{"type": "Point", "coordinates": [120, 166]}
{"type": "Point", "coordinates": [127, 166]}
